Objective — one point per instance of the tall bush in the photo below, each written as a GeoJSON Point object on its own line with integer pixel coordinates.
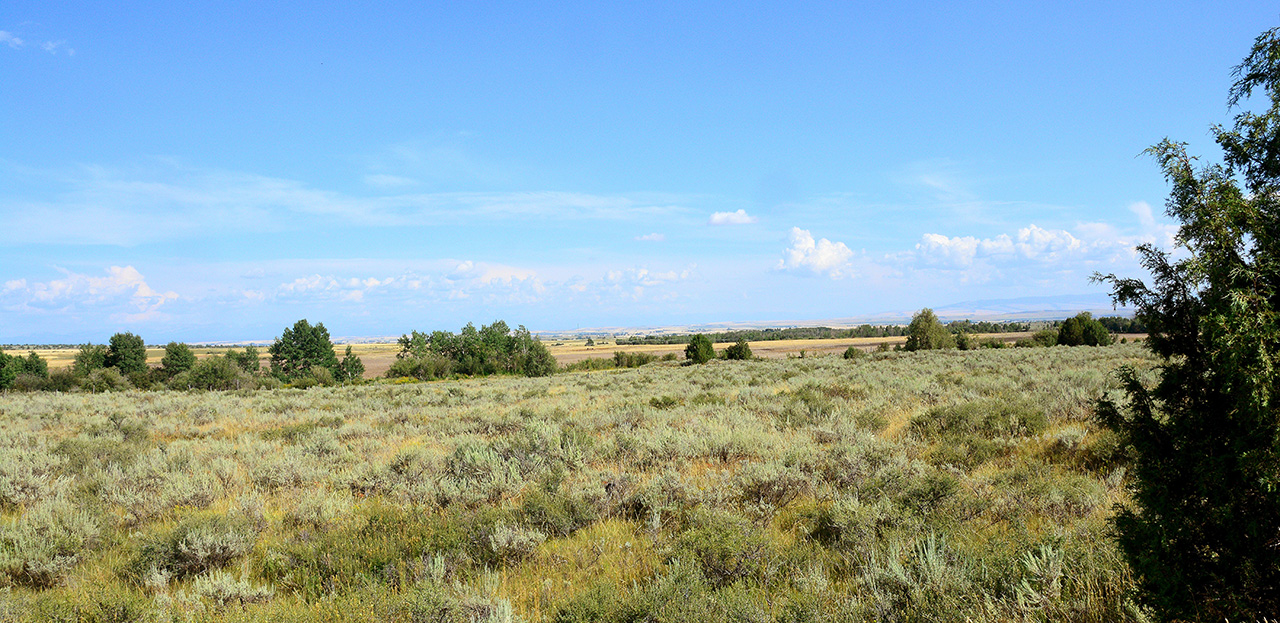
{"type": "Point", "coordinates": [1203, 528]}
{"type": "Point", "coordinates": [700, 349]}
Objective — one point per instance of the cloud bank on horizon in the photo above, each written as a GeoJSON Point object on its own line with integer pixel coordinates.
{"type": "Point", "coordinates": [675, 166]}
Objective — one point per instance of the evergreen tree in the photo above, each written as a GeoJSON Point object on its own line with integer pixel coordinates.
{"type": "Point", "coordinates": [700, 350]}
{"type": "Point", "coordinates": [1202, 532]}
{"type": "Point", "coordinates": [351, 370]}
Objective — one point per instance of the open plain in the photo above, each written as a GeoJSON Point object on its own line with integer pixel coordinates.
{"type": "Point", "coordinates": [938, 486]}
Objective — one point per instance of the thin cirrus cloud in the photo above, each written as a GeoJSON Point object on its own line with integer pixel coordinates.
{"type": "Point", "coordinates": [104, 206]}
{"type": "Point", "coordinates": [739, 217]}
{"type": "Point", "coordinates": [655, 237]}
{"type": "Point", "coordinates": [53, 47]}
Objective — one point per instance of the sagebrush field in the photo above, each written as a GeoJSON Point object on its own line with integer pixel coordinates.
{"type": "Point", "coordinates": [928, 486]}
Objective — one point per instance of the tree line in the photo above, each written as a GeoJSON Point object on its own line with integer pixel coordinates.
{"type": "Point", "coordinates": [820, 333]}
{"type": "Point", "coordinates": [302, 356]}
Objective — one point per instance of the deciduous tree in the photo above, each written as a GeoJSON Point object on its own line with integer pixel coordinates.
{"type": "Point", "coordinates": [926, 333]}
{"type": "Point", "coordinates": [301, 348]}
{"type": "Point", "coordinates": [127, 353]}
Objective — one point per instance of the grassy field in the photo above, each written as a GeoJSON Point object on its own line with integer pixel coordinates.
{"type": "Point", "coordinates": [941, 486]}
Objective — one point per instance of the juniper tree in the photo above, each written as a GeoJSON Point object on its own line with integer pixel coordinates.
{"type": "Point", "coordinates": [1202, 532]}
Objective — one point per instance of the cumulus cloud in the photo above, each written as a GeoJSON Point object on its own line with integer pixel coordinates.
{"type": "Point", "coordinates": [739, 217]}
{"type": "Point", "coordinates": [820, 256]}
{"type": "Point", "coordinates": [651, 238]}
{"type": "Point", "coordinates": [1031, 243]}
{"type": "Point", "coordinates": [121, 284]}
{"type": "Point", "coordinates": [8, 38]}
{"type": "Point", "coordinates": [634, 283]}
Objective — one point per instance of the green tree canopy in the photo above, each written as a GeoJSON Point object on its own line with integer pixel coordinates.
{"type": "Point", "coordinates": [177, 358]}
{"type": "Point", "coordinates": [90, 357]}
{"type": "Point", "coordinates": [300, 348]}
{"type": "Point", "coordinates": [926, 333]}
{"type": "Point", "coordinates": [127, 353]}
{"type": "Point", "coordinates": [491, 349]}
{"type": "Point", "coordinates": [1202, 533]}
{"type": "Point", "coordinates": [740, 350]}
{"type": "Point", "coordinates": [700, 350]}
{"type": "Point", "coordinates": [1083, 330]}
{"type": "Point", "coordinates": [351, 368]}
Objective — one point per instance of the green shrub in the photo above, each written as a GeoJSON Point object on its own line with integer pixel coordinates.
{"type": "Point", "coordinates": [1083, 330]}
{"type": "Point", "coordinates": [740, 351]}
{"type": "Point", "coordinates": [62, 380]}
{"type": "Point", "coordinates": [556, 513]}
{"type": "Point", "coordinates": [111, 603]}
{"type": "Point", "coordinates": [1044, 338]}
{"type": "Point", "coordinates": [926, 333]}
{"type": "Point", "coordinates": [213, 373]}
{"type": "Point", "coordinates": [726, 548]}
{"type": "Point", "coordinates": [632, 360]}
{"type": "Point", "coordinates": [105, 380]}
{"type": "Point", "coordinates": [40, 547]}
{"type": "Point", "coordinates": [987, 418]}
{"type": "Point", "coordinates": [198, 543]}
{"type": "Point", "coordinates": [425, 368]}
{"type": "Point", "coordinates": [854, 353]}
{"type": "Point", "coordinates": [700, 349]}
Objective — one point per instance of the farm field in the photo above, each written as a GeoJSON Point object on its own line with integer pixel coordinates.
{"type": "Point", "coordinates": [928, 486]}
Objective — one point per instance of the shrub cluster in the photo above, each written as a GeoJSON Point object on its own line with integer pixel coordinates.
{"type": "Point", "coordinates": [492, 349]}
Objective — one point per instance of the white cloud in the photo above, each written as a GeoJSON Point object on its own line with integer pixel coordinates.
{"type": "Point", "coordinates": [651, 237]}
{"type": "Point", "coordinates": [634, 283]}
{"type": "Point", "coordinates": [732, 218]}
{"type": "Point", "coordinates": [820, 256]}
{"type": "Point", "coordinates": [1031, 243]}
{"type": "Point", "coordinates": [52, 47]}
{"type": "Point", "coordinates": [122, 284]}
{"type": "Point", "coordinates": [1163, 235]}
{"type": "Point", "coordinates": [7, 38]}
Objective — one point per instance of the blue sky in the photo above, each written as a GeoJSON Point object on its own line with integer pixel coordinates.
{"type": "Point", "coordinates": [217, 171]}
